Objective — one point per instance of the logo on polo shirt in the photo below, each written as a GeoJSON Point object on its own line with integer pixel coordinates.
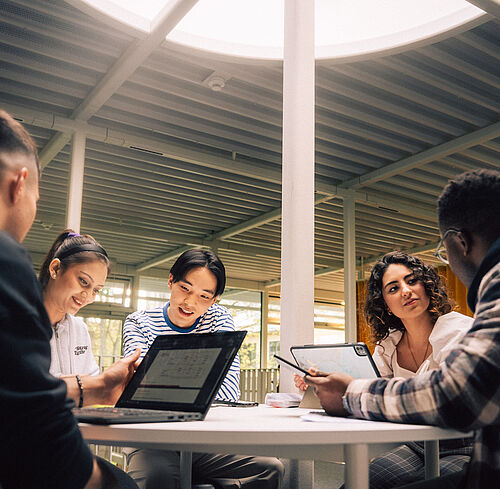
{"type": "Point", "coordinates": [80, 350]}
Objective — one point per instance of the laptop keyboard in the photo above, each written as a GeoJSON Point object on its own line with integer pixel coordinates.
{"type": "Point", "coordinates": [117, 414]}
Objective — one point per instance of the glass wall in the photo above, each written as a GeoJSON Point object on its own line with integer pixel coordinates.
{"type": "Point", "coordinates": [245, 308]}
{"type": "Point", "coordinates": [328, 326]}
{"type": "Point", "coordinates": [106, 339]}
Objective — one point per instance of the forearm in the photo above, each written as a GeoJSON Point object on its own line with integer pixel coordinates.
{"type": "Point", "coordinates": [94, 391]}
{"type": "Point", "coordinates": [133, 338]}
{"type": "Point", "coordinates": [230, 388]}
{"type": "Point", "coordinates": [455, 396]}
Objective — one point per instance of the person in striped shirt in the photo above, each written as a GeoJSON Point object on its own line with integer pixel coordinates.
{"type": "Point", "coordinates": [197, 279]}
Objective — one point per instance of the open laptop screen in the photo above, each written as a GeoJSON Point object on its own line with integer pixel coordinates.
{"type": "Point", "coordinates": [182, 372]}
{"type": "Point", "coordinates": [176, 375]}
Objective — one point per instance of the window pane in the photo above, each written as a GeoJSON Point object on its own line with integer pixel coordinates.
{"type": "Point", "coordinates": [115, 292]}
{"type": "Point", "coordinates": [245, 308]}
{"type": "Point", "coordinates": [329, 326]}
{"type": "Point", "coordinates": [106, 339]}
{"type": "Point", "coordinates": [153, 292]}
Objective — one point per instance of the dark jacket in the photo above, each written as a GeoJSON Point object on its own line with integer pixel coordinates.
{"type": "Point", "coordinates": [40, 443]}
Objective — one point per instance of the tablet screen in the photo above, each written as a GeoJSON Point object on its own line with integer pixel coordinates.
{"type": "Point", "coordinates": [353, 359]}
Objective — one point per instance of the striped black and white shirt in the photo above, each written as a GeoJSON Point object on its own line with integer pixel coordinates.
{"type": "Point", "coordinates": [142, 327]}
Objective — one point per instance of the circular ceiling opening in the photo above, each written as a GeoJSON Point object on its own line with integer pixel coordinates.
{"type": "Point", "coordinates": [254, 29]}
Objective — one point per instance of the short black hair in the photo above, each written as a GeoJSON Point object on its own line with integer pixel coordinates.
{"type": "Point", "coordinates": [15, 139]}
{"type": "Point", "coordinates": [198, 258]}
{"type": "Point", "coordinates": [471, 202]}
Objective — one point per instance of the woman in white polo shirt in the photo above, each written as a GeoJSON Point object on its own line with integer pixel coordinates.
{"type": "Point", "coordinates": [71, 275]}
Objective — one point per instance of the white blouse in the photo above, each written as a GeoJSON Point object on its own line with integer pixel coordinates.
{"type": "Point", "coordinates": [447, 332]}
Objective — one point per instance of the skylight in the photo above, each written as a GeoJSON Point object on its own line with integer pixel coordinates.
{"type": "Point", "coordinates": [254, 28]}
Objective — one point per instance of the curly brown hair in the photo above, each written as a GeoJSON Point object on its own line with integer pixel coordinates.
{"type": "Point", "coordinates": [380, 321]}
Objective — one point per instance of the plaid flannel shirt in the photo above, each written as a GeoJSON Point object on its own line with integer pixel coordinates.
{"type": "Point", "coordinates": [463, 394]}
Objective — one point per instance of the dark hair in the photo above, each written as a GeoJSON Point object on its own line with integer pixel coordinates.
{"type": "Point", "coordinates": [471, 202]}
{"type": "Point", "coordinates": [198, 258]}
{"type": "Point", "coordinates": [14, 138]}
{"type": "Point", "coordinates": [377, 316]}
{"type": "Point", "coordinates": [70, 248]}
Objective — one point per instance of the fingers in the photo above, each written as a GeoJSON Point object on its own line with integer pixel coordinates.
{"type": "Point", "coordinates": [133, 357]}
{"type": "Point", "coordinates": [299, 382]}
{"type": "Point", "coordinates": [313, 373]}
{"type": "Point", "coordinates": [312, 381]}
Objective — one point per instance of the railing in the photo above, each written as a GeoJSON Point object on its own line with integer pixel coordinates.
{"type": "Point", "coordinates": [255, 383]}
{"type": "Point", "coordinates": [104, 361]}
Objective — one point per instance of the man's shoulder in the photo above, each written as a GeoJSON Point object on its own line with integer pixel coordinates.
{"type": "Point", "coordinates": [217, 317]}
{"type": "Point", "coordinates": [492, 274]}
{"type": "Point", "coordinates": [146, 315]}
{"type": "Point", "coordinates": [216, 311]}
{"type": "Point", "coordinates": [12, 251]}
{"type": "Point", "coordinates": [16, 270]}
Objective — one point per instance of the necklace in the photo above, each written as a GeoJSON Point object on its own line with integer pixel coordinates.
{"type": "Point", "coordinates": [417, 365]}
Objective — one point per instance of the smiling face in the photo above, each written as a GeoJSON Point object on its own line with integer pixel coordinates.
{"type": "Point", "coordinates": [191, 296]}
{"type": "Point", "coordinates": [76, 286]}
{"type": "Point", "coordinates": [404, 294]}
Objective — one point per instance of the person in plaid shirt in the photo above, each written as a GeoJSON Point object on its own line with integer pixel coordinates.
{"type": "Point", "coordinates": [464, 393]}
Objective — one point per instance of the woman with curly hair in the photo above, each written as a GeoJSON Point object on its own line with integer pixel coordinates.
{"type": "Point", "coordinates": [413, 323]}
{"type": "Point", "coordinates": [410, 316]}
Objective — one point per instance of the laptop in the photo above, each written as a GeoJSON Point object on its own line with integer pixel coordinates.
{"type": "Point", "coordinates": [176, 381]}
{"type": "Point", "coordinates": [353, 359]}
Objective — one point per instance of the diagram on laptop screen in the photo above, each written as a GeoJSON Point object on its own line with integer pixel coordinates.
{"type": "Point", "coordinates": [334, 359]}
{"type": "Point", "coordinates": [177, 375]}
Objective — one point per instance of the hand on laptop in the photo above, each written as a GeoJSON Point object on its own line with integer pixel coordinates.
{"type": "Point", "coordinates": [107, 387]}
{"type": "Point", "coordinates": [116, 377]}
{"type": "Point", "coordinates": [330, 389]}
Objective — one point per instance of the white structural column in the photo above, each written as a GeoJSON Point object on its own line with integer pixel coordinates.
{"type": "Point", "coordinates": [75, 191]}
{"type": "Point", "coordinates": [350, 269]}
{"type": "Point", "coordinates": [297, 227]}
{"type": "Point", "coordinates": [264, 334]}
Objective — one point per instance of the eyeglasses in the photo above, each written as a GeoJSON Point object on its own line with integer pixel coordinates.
{"type": "Point", "coordinates": [441, 250]}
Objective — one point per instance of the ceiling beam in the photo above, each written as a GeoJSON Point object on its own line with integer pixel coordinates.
{"type": "Point", "coordinates": [94, 227]}
{"type": "Point", "coordinates": [214, 240]}
{"type": "Point", "coordinates": [441, 150]}
{"type": "Point", "coordinates": [208, 159]}
{"type": "Point", "coordinates": [366, 261]}
{"type": "Point", "coordinates": [133, 57]}
{"type": "Point", "coordinates": [490, 6]}
{"type": "Point", "coordinates": [164, 257]}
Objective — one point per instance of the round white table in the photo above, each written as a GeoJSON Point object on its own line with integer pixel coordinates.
{"type": "Point", "coordinates": [276, 432]}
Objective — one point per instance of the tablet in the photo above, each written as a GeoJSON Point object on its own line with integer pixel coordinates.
{"type": "Point", "coordinates": [349, 358]}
